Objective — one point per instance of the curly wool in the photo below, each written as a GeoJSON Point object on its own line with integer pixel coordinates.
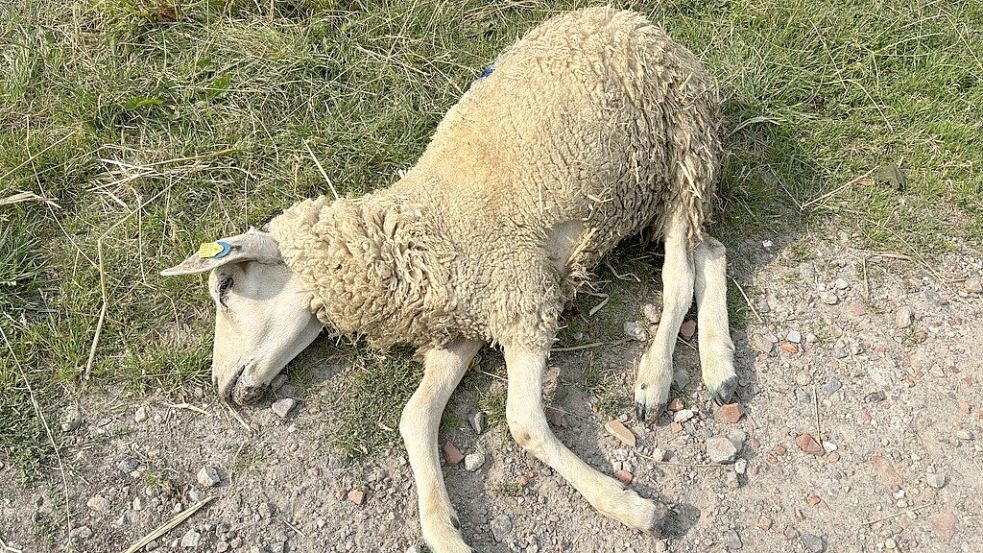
{"type": "Point", "coordinates": [593, 127]}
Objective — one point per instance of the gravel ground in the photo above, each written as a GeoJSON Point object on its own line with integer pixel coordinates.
{"type": "Point", "coordinates": [860, 429]}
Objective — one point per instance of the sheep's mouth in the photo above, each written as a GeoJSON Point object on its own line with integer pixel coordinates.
{"type": "Point", "coordinates": [239, 392]}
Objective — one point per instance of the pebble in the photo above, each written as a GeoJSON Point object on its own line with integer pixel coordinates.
{"type": "Point", "coordinates": [624, 476]}
{"type": "Point", "coordinates": [71, 420]}
{"type": "Point", "coordinates": [944, 525]}
{"type": "Point", "coordinates": [732, 541]}
{"type": "Point", "coordinates": [794, 336]}
{"type": "Point", "coordinates": [683, 415]}
{"type": "Point", "coordinates": [140, 415]}
{"type": "Point", "coordinates": [890, 544]}
{"type": "Point", "coordinates": [658, 455]}
{"type": "Point", "coordinates": [973, 285]}
{"type": "Point", "coordinates": [730, 413]}
{"type": "Point", "coordinates": [764, 523]}
{"type": "Point", "coordinates": [789, 347]}
{"type": "Point", "coordinates": [688, 330]}
{"type": "Point", "coordinates": [414, 549]}
{"type": "Point", "coordinates": [813, 543]}
{"type": "Point", "coordinates": [208, 477]}
{"type": "Point", "coordinates": [477, 421]}
{"type": "Point", "coordinates": [675, 404]}
{"type": "Point", "coordinates": [831, 386]}
{"type": "Point", "coordinates": [190, 539]}
{"type": "Point", "coordinates": [635, 331]}
{"type": "Point", "coordinates": [936, 480]}
{"type": "Point", "coordinates": [964, 435]}
{"type": "Point", "coordinates": [282, 407]}
{"type": "Point", "coordinates": [841, 284]}
{"type": "Point", "coordinates": [617, 429]}
{"type": "Point", "coordinates": [903, 317]}
{"type": "Point", "coordinates": [762, 343]}
{"type": "Point", "coordinates": [652, 312]}
{"type": "Point", "coordinates": [501, 526]}
{"type": "Point", "coordinates": [803, 378]}
{"type": "Point", "coordinates": [474, 461]}
{"type": "Point", "coordinates": [82, 533]}
{"type": "Point", "coordinates": [356, 496]}
{"type": "Point", "coordinates": [808, 444]}
{"type": "Point", "coordinates": [721, 450]}
{"type": "Point", "coordinates": [875, 397]}
{"type": "Point", "coordinates": [740, 466]}
{"type": "Point", "coordinates": [98, 503]}
{"type": "Point", "coordinates": [128, 465]}
{"type": "Point", "coordinates": [829, 298]}
{"type": "Point", "coordinates": [452, 453]}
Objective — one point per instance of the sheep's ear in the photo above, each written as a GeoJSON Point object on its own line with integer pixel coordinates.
{"type": "Point", "coordinates": [251, 246]}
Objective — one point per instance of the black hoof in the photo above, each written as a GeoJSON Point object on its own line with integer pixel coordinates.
{"type": "Point", "coordinates": [724, 393]}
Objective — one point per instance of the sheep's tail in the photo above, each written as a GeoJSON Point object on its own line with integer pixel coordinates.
{"type": "Point", "coordinates": [695, 156]}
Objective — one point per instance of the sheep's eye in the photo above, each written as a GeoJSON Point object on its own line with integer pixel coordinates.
{"type": "Point", "coordinates": [223, 289]}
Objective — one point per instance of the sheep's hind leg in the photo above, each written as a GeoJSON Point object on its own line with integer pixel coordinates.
{"type": "Point", "coordinates": [443, 369]}
{"type": "Point", "coordinates": [716, 347]}
{"type": "Point", "coordinates": [655, 366]}
{"type": "Point", "coordinates": [527, 422]}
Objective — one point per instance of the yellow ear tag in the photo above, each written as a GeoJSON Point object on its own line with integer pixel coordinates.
{"type": "Point", "coordinates": [213, 249]}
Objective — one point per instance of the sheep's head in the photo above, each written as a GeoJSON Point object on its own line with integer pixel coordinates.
{"type": "Point", "coordinates": [261, 322]}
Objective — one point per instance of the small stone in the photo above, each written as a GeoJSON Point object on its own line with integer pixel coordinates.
{"type": "Point", "coordinates": [964, 435]}
{"type": "Point", "coordinates": [974, 285]}
{"type": "Point", "coordinates": [809, 444]}
{"type": "Point", "coordinates": [890, 544]}
{"type": "Point", "coordinates": [501, 526]}
{"type": "Point", "coordinates": [71, 420]}
{"type": "Point", "coordinates": [764, 523]}
{"type": "Point", "coordinates": [652, 313]}
{"type": "Point", "coordinates": [356, 496]}
{"type": "Point", "coordinates": [278, 547]}
{"type": "Point", "coordinates": [208, 477]}
{"type": "Point", "coordinates": [675, 427]}
{"type": "Point", "coordinates": [140, 415]}
{"type": "Point", "coordinates": [617, 429]}
{"type": "Point", "coordinates": [936, 480]}
{"type": "Point", "coordinates": [833, 458]}
{"type": "Point", "coordinates": [98, 503]}
{"type": "Point", "coordinates": [841, 284]}
{"type": "Point", "coordinates": [683, 415]}
{"type": "Point", "coordinates": [675, 404]}
{"type": "Point", "coordinates": [190, 539]}
{"type": "Point", "coordinates": [789, 348]}
{"type": "Point", "coordinates": [283, 406]}
{"type": "Point", "coordinates": [829, 298]}
{"type": "Point", "coordinates": [128, 465]}
{"type": "Point", "coordinates": [137, 504]}
{"type": "Point", "coordinates": [414, 549]}
{"type": "Point", "coordinates": [875, 397]}
{"type": "Point", "coordinates": [624, 476]}
{"type": "Point", "coordinates": [687, 330]}
{"type": "Point", "coordinates": [635, 331]}
{"type": "Point", "coordinates": [658, 455]}
{"type": "Point", "coordinates": [731, 540]}
{"type": "Point", "coordinates": [721, 450]}
{"type": "Point", "coordinates": [452, 454]}
{"type": "Point", "coordinates": [803, 378]}
{"type": "Point", "coordinates": [794, 336]}
{"type": "Point", "coordinates": [477, 421]}
{"type": "Point", "coordinates": [944, 525]}
{"type": "Point", "coordinates": [762, 343]}
{"type": "Point", "coordinates": [730, 413]}
{"type": "Point", "coordinates": [903, 317]}
{"type": "Point", "coordinates": [831, 386]}
{"type": "Point", "coordinates": [813, 543]}
{"type": "Point", "coordinates": [82, 532]}
{"type": "Point", "coordinates": [474, 461]}
{"type": "Point", "coordinates": [740, 466]}
{"type": "Point", "coordinates": [222, 546]}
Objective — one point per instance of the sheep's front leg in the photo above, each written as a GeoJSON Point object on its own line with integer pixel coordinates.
{"type": "Point", "coordinates": [527, 422]}
{"type": "Point", "coordinates": [443, 369]}
{"type": "Point", "coordinates": [655, 367]}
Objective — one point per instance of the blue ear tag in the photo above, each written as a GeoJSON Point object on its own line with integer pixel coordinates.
{"type": "Point", "coordinates": [216, 250]}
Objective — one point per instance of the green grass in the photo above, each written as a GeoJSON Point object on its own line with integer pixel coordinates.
{"type": "Point", "coordinates": [154, 126]}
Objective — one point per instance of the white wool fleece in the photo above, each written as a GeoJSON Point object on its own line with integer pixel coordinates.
{"type": "Point", "coordinates": [595, 121]}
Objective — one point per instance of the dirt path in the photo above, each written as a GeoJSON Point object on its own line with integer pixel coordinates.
{"type": "Point", "coordinates": [882, 356]}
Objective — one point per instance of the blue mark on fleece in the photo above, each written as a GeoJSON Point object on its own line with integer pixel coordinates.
{"type": "Point", "coordinates": [487, 71]}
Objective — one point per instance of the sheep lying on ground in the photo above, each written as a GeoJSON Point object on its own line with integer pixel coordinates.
{"type": "Point", "coordinates": [592, 128]}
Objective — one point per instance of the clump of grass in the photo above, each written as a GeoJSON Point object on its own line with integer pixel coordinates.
{"type": "Point", "coordinates": [377, 388]}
